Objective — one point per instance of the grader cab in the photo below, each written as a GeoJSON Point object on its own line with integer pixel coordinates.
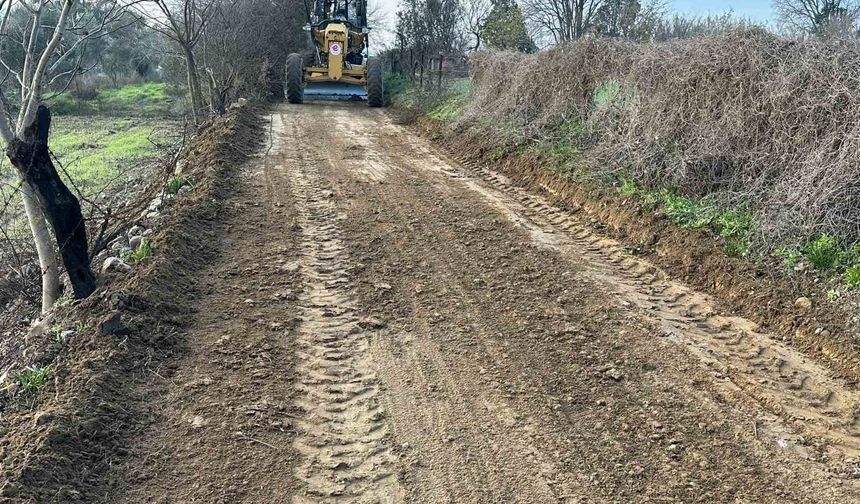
{"type": "Point", "coordinates": [339, 67]}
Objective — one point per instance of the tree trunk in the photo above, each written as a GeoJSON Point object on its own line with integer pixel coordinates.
{"type": "Point", "coordinates": [194, 90]}
{"type": "Point", "coordinates": [579, 23]}
{"type": "Point", "coordinates": [31, 157]}
{"type": "Point", "coordinates": [48, 264]}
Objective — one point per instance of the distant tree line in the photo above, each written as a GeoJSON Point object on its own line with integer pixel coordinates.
{"type": "Point", "coordinates": [430, 32]}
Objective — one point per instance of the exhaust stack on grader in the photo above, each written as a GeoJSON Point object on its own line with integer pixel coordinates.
{"type": "Point", "coordinates": [340, 68]}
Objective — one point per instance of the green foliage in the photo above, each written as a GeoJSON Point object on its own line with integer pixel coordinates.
{"type": "Point", "coordinates": [790, 257]}
{"type": "Point", "coordinates": [562, 151]}
{"type": "Point", "coordinates": [395, 85]}
{"type": "Point", "coordinates": [571, 128]}
{"type": "Point", "coordinates": [453, 105]}
{"type": "Point", "coordinates": [737, 246]}
{"type": "Point", "coordinates": [608, 94]}
{"type": "Point", "coordinates": [852, 276]}
{"type": "Point", "coordinates": [505, 28]}
{"type": "Point", "coordinates": [686, 212]}
{"type": "Point", "coordinates": [824, 253]}
{"type": "Point", "coordinates": [833, 295]}
{"type": "Point", "coordinates": [32, 379]}
{"type": "Point", "coordinates": [628, 187]}
{"type": "Point", "coordinates": [736, 227]}
{"type": "Point", "coordinates": [175, 184]}
{"type": "Point", "coordinates": [144, 251]}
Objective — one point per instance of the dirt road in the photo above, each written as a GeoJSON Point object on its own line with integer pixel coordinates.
{"type": "Point", "coordinates": [387, 325]}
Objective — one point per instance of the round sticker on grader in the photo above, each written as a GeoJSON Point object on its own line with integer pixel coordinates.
{"type": "Point", "coordinates": [334, 49]}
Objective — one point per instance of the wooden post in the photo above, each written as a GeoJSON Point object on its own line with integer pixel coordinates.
{"type": "Point", "coordinates": [421, 78]}
{"type": "Point", "coordinates": [441, 60]}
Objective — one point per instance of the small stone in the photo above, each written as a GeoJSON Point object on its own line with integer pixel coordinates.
{"type": "Point", "coordinates": [135, 231]}
{"type": "Point", "coordinates": [615, 374]}
{"type": "Point", "coordinates": [198, 422]}
{"type": "Point", "coordinates": [371, 323]}
{"type": "Point", "coordinates": [804, 303]}
{"type": "Point", "coordinates": [67, 335]}
{"type": "Point", "coordinates": [135, 242]}
{"type": "Point", "coordinates": [156, 204]}
{"type": "Point", "coordinates": [382, 286]}
{"type": "Point", "coordinates": [112, 324]}
{"type": "Point", "coordinates": [148, 232]}
{"type": "Point", "coordinates": [115, 264]}
{"type": "Point", "coordinates": [118, 244]}
{"type": "Point", "coordinates": [42, 417]}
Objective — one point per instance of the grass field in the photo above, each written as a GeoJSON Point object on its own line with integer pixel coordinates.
{"type": "Point", "coordinates": [98, 152]}
{"type": "Point", "coordinates": [148, 99]}
{"type": "Point", "coordinates": [103, 144]}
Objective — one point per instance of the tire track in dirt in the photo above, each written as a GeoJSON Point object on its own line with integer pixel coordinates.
{"type": "Point", "coordinates": [780, 378]}
{"type": "Point", "coordinates": [343, 435]}
{"type": "Point", "coordinates": [499, 351]}
{"type": "Point", "coordinates": [474, 446]}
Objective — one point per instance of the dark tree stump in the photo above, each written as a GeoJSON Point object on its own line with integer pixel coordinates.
{"type": "Point", "coordinates": [32, 159]}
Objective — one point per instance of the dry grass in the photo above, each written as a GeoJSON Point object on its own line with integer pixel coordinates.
{"type": "Point", "coordinates": [747, 118]}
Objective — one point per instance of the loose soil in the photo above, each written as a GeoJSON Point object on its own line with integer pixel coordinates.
{"type": "Point", "coordinates": [373, 321]}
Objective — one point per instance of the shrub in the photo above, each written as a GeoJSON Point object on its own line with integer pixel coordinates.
{"type": "Point", "coordinates": [628, 187]}
{"type": "Point", "coordinates": [790, 257]}
{"type": "Point", "coordinates": [687, 213]}
{"type": "Point", "coordinates": [142, 252]}
{"type": "Point", "coordinates": [175, 184]}
{"type": "Point", "coordinates": [823, 253]}
{"type": "Point", "coordinates": [32, 379]}
{"type": "Point", "coordinates": [758, 121]}
{"type": "Point", "coordinates": [852, 276]}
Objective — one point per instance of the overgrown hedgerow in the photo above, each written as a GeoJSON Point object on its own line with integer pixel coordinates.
{"type": "Point", "coordinates": [745, 119]}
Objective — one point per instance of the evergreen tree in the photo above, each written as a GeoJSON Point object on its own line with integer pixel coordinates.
{"type": "Point", "coordinates": [505, 28]}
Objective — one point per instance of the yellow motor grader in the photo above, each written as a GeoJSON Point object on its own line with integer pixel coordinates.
{"type": "Point", "coordinates": [340, 68]}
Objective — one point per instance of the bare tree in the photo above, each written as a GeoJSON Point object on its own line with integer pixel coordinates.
{"type": "Point", "coordinates": [51, 47]}
{"type": "Point", "coordinates": [183, 22]}
{"type": "Point", "coordinates": [814, 16]}
{"type": "Point", "coordinates": [426, 29]}
{"type": "Point", "coordinates": [475, 13]}
{"type": "Point", "coordinates": [561, 20]}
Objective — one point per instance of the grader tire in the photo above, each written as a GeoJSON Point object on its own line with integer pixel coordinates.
{"type": "Point", "coordinates": [295, 78]}
{"type": "Point", "coordinates": [375, 86]}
